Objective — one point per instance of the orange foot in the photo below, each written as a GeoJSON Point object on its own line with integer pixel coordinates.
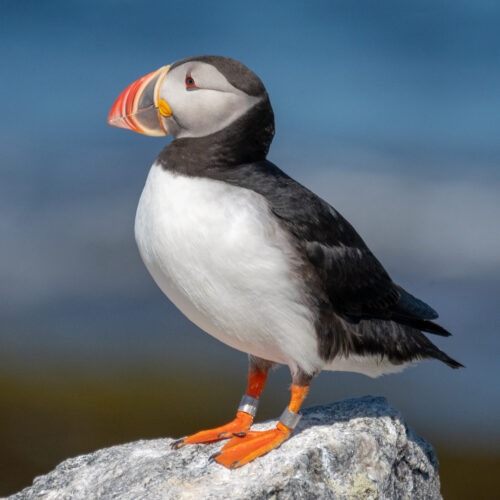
{"type": "Point", "coordinates": [243, 449]}
{"type": "Point", "coordinates": [240, 424]}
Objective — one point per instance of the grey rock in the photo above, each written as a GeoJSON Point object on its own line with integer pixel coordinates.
{"type": "Point", "coordinates": [353, 449]}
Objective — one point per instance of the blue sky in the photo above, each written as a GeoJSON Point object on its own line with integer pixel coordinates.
{"type": "Point", "coordinates": [389, 110]}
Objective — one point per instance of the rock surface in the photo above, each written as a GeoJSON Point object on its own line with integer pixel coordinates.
{"type": "Point", "coordinates": [353, 449]}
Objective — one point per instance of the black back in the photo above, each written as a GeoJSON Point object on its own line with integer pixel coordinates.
{"type": "Point", "coordinates": [345, 282]}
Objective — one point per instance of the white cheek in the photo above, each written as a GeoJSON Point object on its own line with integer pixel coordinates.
{"type": "Point", "coordinates": [207, 111]}
{"type": "Point", "coordinates": [201, 112]}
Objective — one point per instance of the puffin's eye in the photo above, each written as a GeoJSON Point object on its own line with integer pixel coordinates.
{"type": "Point", "coordinates": [190, 83]}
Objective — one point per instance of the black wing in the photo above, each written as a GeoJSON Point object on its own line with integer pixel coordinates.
{"type": "Point", "coordinates": [355, 282]}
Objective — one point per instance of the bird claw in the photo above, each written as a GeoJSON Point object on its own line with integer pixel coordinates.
{"type": "Point", "coordinates": [178, 444]}
{"type": "Point", "coordinates": [239, 434]}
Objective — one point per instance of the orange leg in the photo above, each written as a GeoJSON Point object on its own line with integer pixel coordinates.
{"type": "Point", "coordinates": [244, 415]}
{"type": "Point", "coordinates": [242, 449]}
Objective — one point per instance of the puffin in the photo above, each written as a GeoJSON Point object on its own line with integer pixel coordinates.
{"type": "Point", "coordinates": [254, 258]}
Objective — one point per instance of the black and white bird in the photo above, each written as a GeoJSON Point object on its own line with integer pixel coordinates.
{"type": "Point", "coordinates": [251, 256]}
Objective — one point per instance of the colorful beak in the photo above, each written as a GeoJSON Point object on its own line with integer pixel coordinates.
{"type": "Point", "coordinates": [139, 107]}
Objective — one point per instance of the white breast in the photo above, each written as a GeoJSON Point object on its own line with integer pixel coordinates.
{"type": "Point", "coordinates": [220, 256]}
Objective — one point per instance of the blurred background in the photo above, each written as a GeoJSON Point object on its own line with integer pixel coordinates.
{"type": "Point", "coordinates": [389, 110]}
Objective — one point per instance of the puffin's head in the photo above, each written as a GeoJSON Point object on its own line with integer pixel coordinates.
{"type": "Point", "coordinates": [193, 97]}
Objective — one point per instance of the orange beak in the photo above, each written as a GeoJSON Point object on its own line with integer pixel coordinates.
{"type": "Point", "coordinates": [139, 107]}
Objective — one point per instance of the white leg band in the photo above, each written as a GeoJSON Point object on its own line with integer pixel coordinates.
{"type": "Point", "coordinates": [248, 405]}
{"type": "Point", "coordinates": [290, 419]}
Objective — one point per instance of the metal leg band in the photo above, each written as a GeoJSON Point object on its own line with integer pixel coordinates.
{"type": "Point", "coordinates": [290, 419]}
{"type": "Point", "coordinates": [248, 405]}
